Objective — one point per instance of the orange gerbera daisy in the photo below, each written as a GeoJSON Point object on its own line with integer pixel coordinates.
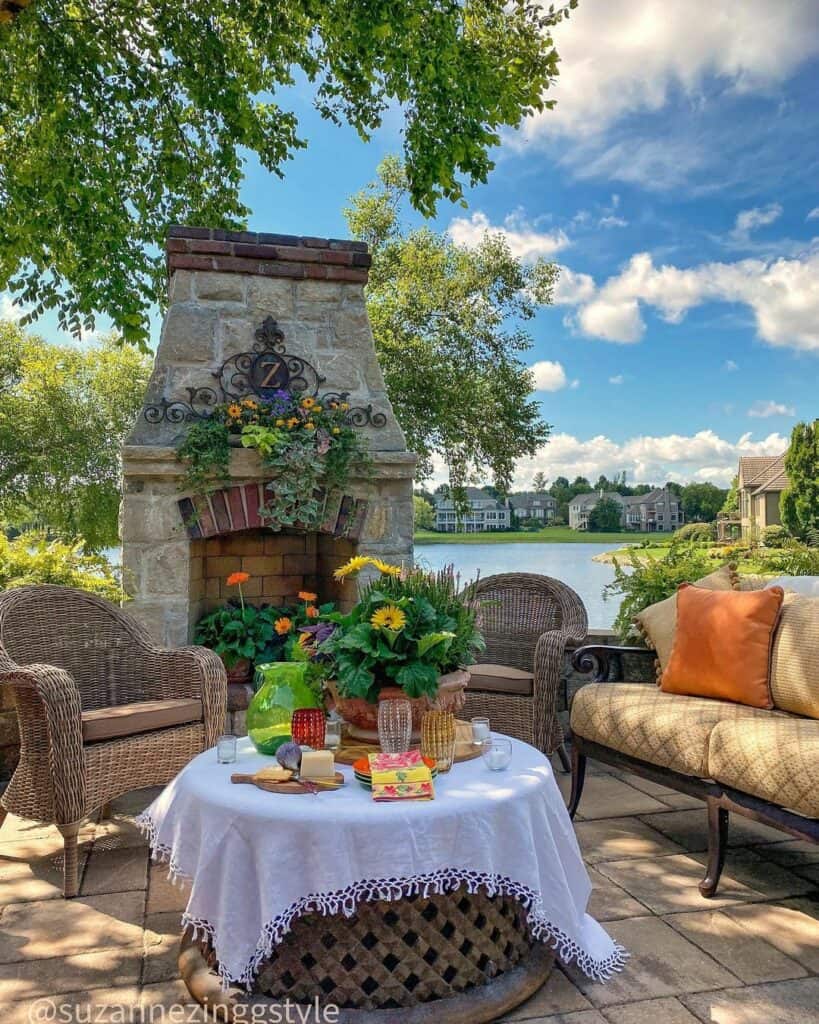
{"type": "Point", "coordinates": [283, 625]}
{"type": "Point", "coordinates": [306, 595]}
{"type": "Point", "coordinates": [234, 411]}
{"type": "Point", "coordinates": [311, 611]}
{"type": "Point", "coordinates": [236, 579]}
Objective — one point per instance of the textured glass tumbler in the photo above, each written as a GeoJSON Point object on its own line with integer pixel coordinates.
{"type": "Point", "coordinates": [307, 727]}
{"type": "Point", "coordinates": [394, 726]}
{"type": "Point", "coordinates": [438, 738]}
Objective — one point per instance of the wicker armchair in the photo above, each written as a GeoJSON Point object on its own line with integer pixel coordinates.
{"type": "Point", "coordinates": [527, 621]}
{"type": "Point", "coordinates": [102, 710]}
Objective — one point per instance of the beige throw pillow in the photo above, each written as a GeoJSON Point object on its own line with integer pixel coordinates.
{"type": "Point", "coordinates": [795, 659]}
{"type": "Point", "coordinates": [658, 622]}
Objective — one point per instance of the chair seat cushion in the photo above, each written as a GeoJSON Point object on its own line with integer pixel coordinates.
{"type": "Point", "coordinates": [144, 716]}
{"type": "Point", "coordinates": [501, 679]}
{"type": "Point", "coordinates": [665, 729]}
{"type": "Point", "coordinates": [775, 758]}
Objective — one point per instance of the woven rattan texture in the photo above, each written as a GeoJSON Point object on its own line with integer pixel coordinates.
{"type": "Point", "coordinates": [398, 954]}
{"type": "Point", "coordinates": [527, 621]}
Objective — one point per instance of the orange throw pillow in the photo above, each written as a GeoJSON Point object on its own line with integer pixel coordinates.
{"type": "Point", "coordinates": [722, 647]}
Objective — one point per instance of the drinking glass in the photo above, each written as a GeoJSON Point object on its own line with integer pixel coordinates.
{"type": "Point", "coordinates": [332, 733]}
{"type": "Point", "coordinates": [438, 738]}
{"type": "Point", "coordinates": [497, 753]}
{"type": "Point", "coordinates": [394, 726]}
{"type": "Point", "coordinates": [307, 727]}
{"type": "Point", "coordinates": [226, 749]}
{"type": "Point", "coordinates": [480, 731]}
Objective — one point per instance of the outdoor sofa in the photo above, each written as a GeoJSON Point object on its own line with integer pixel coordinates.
{"type": "Point", "coordinates": [762, 764]}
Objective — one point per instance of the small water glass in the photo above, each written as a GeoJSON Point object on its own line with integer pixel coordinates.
{"type": "Point", "coordinates": [497, 753]}
{"type": "Point", "coordinates": [394, 726]}
{"type": "Point", "coordinates": [480, 731]}
{"type": "Point", "coordinates": [226, 749]}
{"type": "Point", "coordinates": [307, 727]}
{"type": "Point", "coordinates": [332, 733]}
{"type": "Point", "coordinates": [438, 738]}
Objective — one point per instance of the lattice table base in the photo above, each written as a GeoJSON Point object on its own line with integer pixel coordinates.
{"type": "Point", "coordinates": [446, 959]}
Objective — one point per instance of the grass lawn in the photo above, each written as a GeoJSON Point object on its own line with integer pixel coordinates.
{"type": "Point", "coordinates": [549, 535]}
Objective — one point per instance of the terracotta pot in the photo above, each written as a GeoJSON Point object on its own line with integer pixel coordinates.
{"type": "Point", "coordinates": [362, 717]}
{"type": "Point", "coordinates": [241, 671]}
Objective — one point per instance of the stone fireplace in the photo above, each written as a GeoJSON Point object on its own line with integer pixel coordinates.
{"type": "Point", "coordinates": [247, 310]}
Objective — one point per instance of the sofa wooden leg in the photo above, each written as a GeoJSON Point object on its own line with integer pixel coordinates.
{"type": "Point", "coordinates": [563, 757]}
{"type": "Point", "coordinates": [578, 778]}
{"type": "Point", "coordinates": [3, 815]}
{"type": "Point", "coordinates": [70, 857]}
{"type": "Point", "coordinates": [717, 838]}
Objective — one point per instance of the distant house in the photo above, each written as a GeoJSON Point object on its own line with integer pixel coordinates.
{"type": "Point", "coordinates": [534, 505]}
{"type": "Point", "coordinates": [659, 511]}
{"type": "Point", "coordinates": [485, 513]}
{"type": "Point", "coordinates": [761, 481]}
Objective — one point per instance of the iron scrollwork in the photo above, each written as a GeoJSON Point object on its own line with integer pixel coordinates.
{"type": "Point", "coordinates": [266, 372]}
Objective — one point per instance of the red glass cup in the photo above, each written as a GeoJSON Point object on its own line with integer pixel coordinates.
{"type": "Point", "coordinates": [307, 727]}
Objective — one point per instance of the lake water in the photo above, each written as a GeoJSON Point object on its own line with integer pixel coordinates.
{"type": "Point", "coordinates": [570, 563]}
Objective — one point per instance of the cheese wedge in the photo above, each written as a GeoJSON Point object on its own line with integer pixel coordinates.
{"type": "Point", "coordinates": [317, 764]}
{"type": "Point", "coordinates": [273, 775]}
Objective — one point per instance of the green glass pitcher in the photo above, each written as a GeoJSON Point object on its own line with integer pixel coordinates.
{"type": "Point", "coordinates": [281, 688]}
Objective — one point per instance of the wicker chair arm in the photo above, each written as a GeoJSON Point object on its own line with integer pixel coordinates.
{"type": "Point", "coordinates": [198, 673]}
{"type": "Point", "coordinates": [606, 661]}
{"type": "Point", "coordinates": [51, 727]}
{"type": "Point", "coordinates": [548, 669]}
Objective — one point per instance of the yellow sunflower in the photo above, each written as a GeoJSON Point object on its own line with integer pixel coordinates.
{"type": "Point", "coordinates": [248, 403]}
{"type": "Point", "coordinates": [308, 403]}
{"type": "Point", "coordinates": [388, 617]}
{"type": "Point", "coordinates": [292, 422]}
{"type": "Point", "coordinates": [234, 411]}
{"type": "Point", "coordinates": [355, 565]}
{"type": "Point", "coordinates": [385, 568]}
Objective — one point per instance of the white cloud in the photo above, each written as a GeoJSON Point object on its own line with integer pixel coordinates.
{"type": "Point", "coordinates": [730, 366]}
{"type": "Point", "coordinates": [814, 214]}
{"type": "Point", "coordinates": [757, 217]}
{"type": "Point", "coordinates": [783, 295]}
{"type": "Point", "coordinates": [616, 379]}
{"type": "Point", "coordinates": [524, 240]}
{"type": "Point", "coordinates": [700, 456]}
{"type": "Point", "coordinates": [631, 56]}
{"type": "Point", "coordinates": [762, 410]}
{"type": "Point", "coordinates": [8, 310]}
{"type": "Point", "coordinates": [612, 222]}
{"type": "Point", "coordinates": [549, 376]}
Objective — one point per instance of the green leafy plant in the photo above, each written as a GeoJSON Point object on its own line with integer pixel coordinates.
{"type": "Point", "coordinates": [406, 630]}
{"type": "Point", "coordinates": [33, 558]}
{"type": "Point", "coordinates": [237, 632]}
{"type": "Point", "coordinates": [646, 580]}
{"type": "Point", "coordinates": [703, 532]}
{"type": "Point", "coordinates": [794, 559]}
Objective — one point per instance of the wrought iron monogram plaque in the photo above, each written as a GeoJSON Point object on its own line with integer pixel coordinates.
{"type": "Point", "coordinates": [266, 372]}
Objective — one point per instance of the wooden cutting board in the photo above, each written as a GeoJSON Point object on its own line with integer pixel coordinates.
{"type": "Point", "coordinates": [293, 786]}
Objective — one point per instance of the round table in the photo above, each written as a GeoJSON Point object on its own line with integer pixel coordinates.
{"type": "Point", "coordinates": [449, 910]}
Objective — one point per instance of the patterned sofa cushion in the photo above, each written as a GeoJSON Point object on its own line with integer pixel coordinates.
{"type": "Point", "coordinates": [774, 757]}
{"type": "Point", "coordinates": [795, 657]}
{"type": "Point", "coordinates": [665, 729]}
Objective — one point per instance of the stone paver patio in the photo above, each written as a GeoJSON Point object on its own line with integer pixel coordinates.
{"type": "Point", "coordinates": [751, 956]}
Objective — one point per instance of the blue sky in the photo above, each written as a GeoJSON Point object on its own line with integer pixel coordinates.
{"type": "Point", "coordinates": [676, 184]}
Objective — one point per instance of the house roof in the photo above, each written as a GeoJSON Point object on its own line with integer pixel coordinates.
{"type": "Point", "coordinates": [528, 499]}
{"type": "Point", "coordinates": [775, 478]}
{"type": "Point", "coordinates": [472, 494]}
{"type": "Point", "coordinates": [752, 467]}
{"type": "Point", "coordinates": [581, 500]}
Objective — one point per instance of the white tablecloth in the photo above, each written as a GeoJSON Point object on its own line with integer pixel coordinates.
{"type": "Point", "coordinates": [258, 860]}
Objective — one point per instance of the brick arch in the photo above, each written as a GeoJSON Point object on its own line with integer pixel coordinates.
{"type": "Point", "coordinates": [234, 509]}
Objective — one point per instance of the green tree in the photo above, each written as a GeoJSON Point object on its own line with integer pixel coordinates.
{"type": "Point", "coordinates": [539, 482]}
{"type": "Point", "coordinates": [799, 504]}
{"type": "Point", "coordinates": [730, 507]}
{"type": "Point", "coordinates": [117, 119]}
{"type": "Point", "coordinates": [702, 502]}
{"type": "Point", "coordinates": [424, 513]}
{"type": "Point", "coordinates": [447, 326]}
{"type": "Point", "coordinates": [606, 516]}
{"type": "Point", "coordinates": [64, 412]}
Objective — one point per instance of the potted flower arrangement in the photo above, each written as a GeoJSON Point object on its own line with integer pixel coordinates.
{"type": "Point", "coordinates": [305, 442]}
{"type": "Point", "coordinates": [410, 635]}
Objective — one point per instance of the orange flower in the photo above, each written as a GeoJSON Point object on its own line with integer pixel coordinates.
{"type": "Point", "coordinates": [306, 595]}
{"type": "Point", "coordinates": [234, 411]}
{"type": "Point", "coordinates": [236, 579]}
{"type": "Point", "coordinates": [283, 625]}
{"type": "Point", "coordinates": [311, 611]}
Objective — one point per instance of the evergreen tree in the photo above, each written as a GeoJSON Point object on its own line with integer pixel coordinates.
{"type": "Point", "coordinates": [799, 504]}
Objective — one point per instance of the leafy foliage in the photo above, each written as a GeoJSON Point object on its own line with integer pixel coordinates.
{"type": "Point", "coordinates": [117, 119]}
{"type": "Point", "coordinates": [799, 504]}
{"type": "Point", "coordinates": [702, 503]}
{"type": "Point", "coordinates": [774, 536]}
{"type": "Point", "coordinates": [606, 516]}
{"type": "Point", "coordinates": [424, 513]}
{"type": "Point", "coordinates": [702, 532]}
{"type": "Point", "coordinates": [793, 559]}
{"type": "Point", "coordinates": [730, 507]}
{"type": "Point", "coordinates": [647, 580]}
{"type": "Point", "coordinates": [406, 630]}
{"type": "Point", "coordinates": [64, 412]}
{"type": "Point", "coordinates": [237, 631]}
{"type": "Point", "coordinates": [32, 558]}
{"type": "Point", "coordinates": [447, 326]}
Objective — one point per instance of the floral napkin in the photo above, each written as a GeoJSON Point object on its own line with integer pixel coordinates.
{"type": "Point", "coordinates": [400, 777]}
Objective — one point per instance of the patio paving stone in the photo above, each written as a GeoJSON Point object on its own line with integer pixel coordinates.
{"type": "Point", "coordinates": [650, 1011]}
{"type": "Point", "coordinates": [603, 793]}
{"type": "Point", "coordinates": [744, 953]}
{"type": "Point", "coordinates": [558, 995]}
{"type": "Point", "coordinates": [661, 963]}
{"type": "Point", "coordinates": [791, 925]}
{"type": "Point", "coordinates": [792, 853]}
{"type": "Point", "coordinates": [608, 902]}
{"type": "Point", "coordinates": [780, 1002]}
{"type": "Point", "coordinates": [690, 829]}
{"type": "Point", "coordinates": [35, 979]}
{"type": "Point", "coordinates": [772, 880]}
{"type": "Point", "coordinates": [32, 870]}
{"type": "Point", "coordinates": [163, 894]}
{"type": "Point", "coordinates": [97, 1006]}
{"type": "Point", "coordinates": [161, 947]}
{"type": "Point", "coordinates": [115, 870]}
{"type": "Point", "coordinates": [621, 838]}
